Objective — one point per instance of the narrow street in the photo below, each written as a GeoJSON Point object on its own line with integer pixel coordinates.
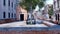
{"type": "Point", "coordinates": [29, 16]}
{"type": "Point", "coordinates": [23, 24]}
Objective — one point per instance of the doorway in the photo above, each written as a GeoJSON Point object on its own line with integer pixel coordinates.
{"type": "Point", "coordinates": [22, 17]}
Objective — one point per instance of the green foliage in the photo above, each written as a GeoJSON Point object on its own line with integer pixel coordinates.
{"type": "Point", "coordinates": [41, 4]}
{"type": "Point", "coordinates": [28, 3]}
{"type": "Point", "coordinates": [51, 11]}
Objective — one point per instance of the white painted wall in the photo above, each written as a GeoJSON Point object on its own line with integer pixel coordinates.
{"type": "Point", "coordinates": [55, 7]}
{"type": "Point", "coordinates": [7, 8]}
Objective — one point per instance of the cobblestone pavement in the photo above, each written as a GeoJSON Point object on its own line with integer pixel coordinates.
{"type": "Point", "coordinates": [22, 26]}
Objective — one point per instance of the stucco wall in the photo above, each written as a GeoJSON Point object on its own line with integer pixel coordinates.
{"type": "Point", "coordinates": [20, 10]}
{"type": "Point", "coordinates": [7, 8]}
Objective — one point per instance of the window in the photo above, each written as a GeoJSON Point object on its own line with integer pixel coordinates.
{"type": "Point", "coordinates": [15, 15]}
{"type": "Point", "coordinates": [8, 15]}
{"type": "Point", "coordinates": [12, 5]}
{"type": "Point", "coordinates": [8, 2]}
{"type": "Point", "coordinates": [57, 16]}
{"type": "Point", "coordinates": [4, 3]}
{"type": "Point", "coordinates": [54, 3]}
{"type": "Point", "coordinates": [12, 15]}
{"type": "Point", "coordinates": [4, 15]}
{"type": "Point", "coordinates": [58, 3]}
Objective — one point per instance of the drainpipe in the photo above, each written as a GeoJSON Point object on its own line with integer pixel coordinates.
{"type": "Point", "coordinates": [31, 13]}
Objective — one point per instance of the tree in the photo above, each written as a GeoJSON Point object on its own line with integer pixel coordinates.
{"type": "Point", "coordinates": [30, 4]}
{"type": "Point", "coordinates": [51, 10]}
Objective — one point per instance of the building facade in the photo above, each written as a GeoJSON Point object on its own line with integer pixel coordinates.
{"type": "Point", "coordinates": [8, 9]}
{"type": "Point", "coordinates": [46, 10]}
{"type": "Point", "coordinates": [56, 9]}
{"type": "Point", "coordinates": [21, 13]}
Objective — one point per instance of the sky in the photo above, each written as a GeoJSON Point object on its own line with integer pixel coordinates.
{"type": "Point", "coordinates": [49, 2]}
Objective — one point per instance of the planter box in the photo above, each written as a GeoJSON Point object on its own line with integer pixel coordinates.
{"type": "Point", "coordinates": [6, 21]}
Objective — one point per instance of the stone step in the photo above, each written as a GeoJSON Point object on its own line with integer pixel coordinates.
{"type": "Point", "coordinates": [49, 23]}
